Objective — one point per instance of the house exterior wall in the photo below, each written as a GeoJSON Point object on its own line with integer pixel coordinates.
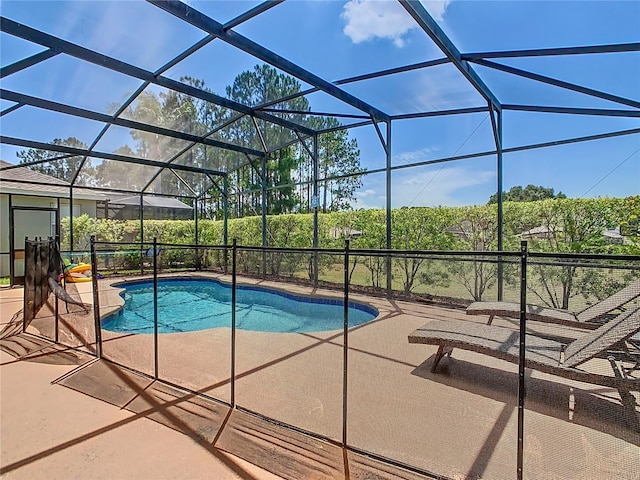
{"type": "Point", "coordinates": [4, 235]}
{"type": "Point", "coordinates": [39, 225]}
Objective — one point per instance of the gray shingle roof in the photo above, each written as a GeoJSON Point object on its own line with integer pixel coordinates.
{"type": "Point", "coordinates": [148, 201]}
{"type": "Point", "coordinates": [11, 181]}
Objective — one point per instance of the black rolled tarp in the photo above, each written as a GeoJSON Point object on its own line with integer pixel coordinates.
{"type": "Point", "coordinates": [42, 268]}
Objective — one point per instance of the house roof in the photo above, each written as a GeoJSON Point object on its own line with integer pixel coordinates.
{"type": "Point", "coordinates": [148, 201]}
{"type": "Point", "coordinates": [613, 234]}
{"type": "Point", "coordinates": [24, 181]}
{"type": "Point", "coordinates": [344, 232]}
{"type": "Point", "coordinates": [539, 232]}
{"type": "Point", "coordinates": [544, 231]}
{"type": "Point", "coordinates": [462, 229]}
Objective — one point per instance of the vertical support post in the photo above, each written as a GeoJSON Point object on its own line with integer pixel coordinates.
{"type": "Point", "coordinates": [345, 369]}
{"type": "Point", "coordinates": [500, 206]}
{"type": "Point", "coordinates": [71, 239]}
{"type": "Point", "coordinates": [56, 303]}
{"type": "Point", "coordinates": [141, 217]}
{"type": "Point", "coordinates": [262, 173]}
{"type": "Point", "coordinates": [239, 200]}
{"type": "Point", "coordinates": [195, 219]}
{"type": "Point", "coordinates": [225, 220]}
{"type": "Point", "coordinates": [263, 194]}
{"type": "Point", "coordinates": [155, 308]}
{"type": "Point", "coordinates": [196, 236]}
{"type": "Point", "coordinates": [26, 285]}
{"type": "Point", "coordinates": [58, 233]}
{"type": "Point", "coordinates": [315, 210]}
{"type": "Point", "coordinates": [96, 297]}
{"type": "Point", "coordinates": [38, 280]}
{"type": "Point", "coordinates": [522, 353]}
{"type": "Point", "coordinates": [12, 244]}
{"type": "Point", "coordinates": [388, 208]}
{"type": "Point", "coordinates": [40, 289]}
{"type": "Point", "coordinates": [58, 248]}
{"type": "Point", "coordinates": [234, 248]}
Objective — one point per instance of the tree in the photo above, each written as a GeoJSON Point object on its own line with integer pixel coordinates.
{"type": "Point", "coordinates": [339, 156]}
{"type": "Point", "coordinates": [530, 193]}
{"type": "Point", "coordinates": [173, 111]}
{"type": "Point", "coordinates": [255, 87]}
{"type": "Point", "coordinates": [477, 232]}
{"type": "Point", "coordinates": [574, 226]}
{"type": "Point", "coordinates": [422, 229]}
{"type": "Point", "coordinates": [123, 175]}
{"type": "Point", "coordinates": [283, 198]}
{"type": "Point", "coordinates": [59, 165]}
{"type": "Point", "coordinates": [630, 224]}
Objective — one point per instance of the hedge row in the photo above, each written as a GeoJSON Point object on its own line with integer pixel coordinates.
{"type": "Point", "coordinates": [572, 225]}
{"type": "Point", "coordinates": [562, 225]}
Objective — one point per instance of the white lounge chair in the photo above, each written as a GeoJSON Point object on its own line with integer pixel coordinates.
{"type": "Point", "coordinates": [584, 319]}
{"type": "Point", "coordinates": [545, 355]}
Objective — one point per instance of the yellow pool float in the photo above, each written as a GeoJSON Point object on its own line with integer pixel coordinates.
{"type": "Point", "coordinates": [79, 273]}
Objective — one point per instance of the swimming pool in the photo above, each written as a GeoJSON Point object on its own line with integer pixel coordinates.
{"type": "Point", "coordinates": [186, 305]}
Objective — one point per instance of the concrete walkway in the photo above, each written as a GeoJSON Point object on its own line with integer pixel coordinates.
{"type": "Point", "coordinates": [49, 431]}
{"type": "Point", "coordinates": [458, 423]}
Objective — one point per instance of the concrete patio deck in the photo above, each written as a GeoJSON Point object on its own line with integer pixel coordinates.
{"type": "Point", "coordinates": [48, 431]}
{"type": "Point", "coordinates": [460, 423]}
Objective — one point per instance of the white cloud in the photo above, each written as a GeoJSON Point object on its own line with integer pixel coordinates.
{"type": "Point", "coordinates": [377, 204]}
{"type": "Point", "coordinates": [368, 199]}
{"type": "Point", "coordinates": [440, 88]}
{"type": "Point", "coordinates": [366, 193]}
{"type": "Point", "coordinates": [436, 8]}
{"type": "Point", "coordinates": [415, 156]}
{"type": "Point", "coordinates": [433, 187]}
{"type": "Point", "coordinates": [369, 19]}
{"type": "Point", "coordinates": [428, 186]}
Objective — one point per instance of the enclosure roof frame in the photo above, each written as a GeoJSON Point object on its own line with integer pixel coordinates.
{"type": "Point", "coordinates": [371, 116]}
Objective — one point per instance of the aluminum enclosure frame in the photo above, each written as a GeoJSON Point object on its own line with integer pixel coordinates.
{"type": "Point", "coordinates": [216, 31]}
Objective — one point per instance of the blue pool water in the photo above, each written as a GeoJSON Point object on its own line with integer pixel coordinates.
{"type": "Point", "coordinates": [186, 305]}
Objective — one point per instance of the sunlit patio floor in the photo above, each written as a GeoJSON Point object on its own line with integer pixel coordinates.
{"type": "Point", "coordinates": [458, 423]}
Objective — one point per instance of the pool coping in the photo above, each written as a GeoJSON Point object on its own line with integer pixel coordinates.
{"type": "Point", "coordinates": [112, 290]}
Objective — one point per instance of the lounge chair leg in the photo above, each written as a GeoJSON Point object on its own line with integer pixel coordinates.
{"type": "Point", "coordinates": [490, 319]}
{"type": "Point", "coordinates": [442, 351]}
{"type": "Point", "coordinates": [633, 357]}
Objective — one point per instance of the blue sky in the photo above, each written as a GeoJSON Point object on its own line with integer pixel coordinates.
{"type": "Point", "coordinates": [339, 39]}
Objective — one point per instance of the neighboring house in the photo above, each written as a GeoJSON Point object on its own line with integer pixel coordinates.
{"type": "Point", "coordinates": [614, 236]}
{"type": "Point", "coordinates": [477, 238]}
{"type": "Point", "coordinates": [344, 233]}
{"type": "Point", "coordinates": [544, 232]}
{"type": "Point", "coordinates": [463, 229]}
{"type": "Point", "coordinates": [127, 207]}
{"type": "Point", "coordinates": [31, 205]}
